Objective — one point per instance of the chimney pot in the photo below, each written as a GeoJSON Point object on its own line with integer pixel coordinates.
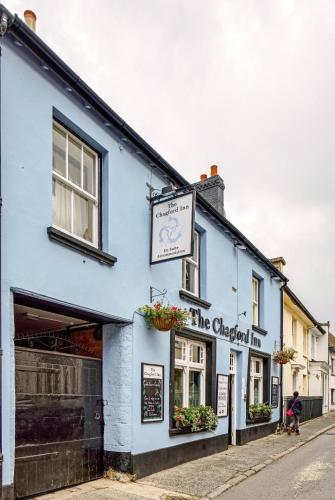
{"type": "Point", "coordinates": [214, 170]}
{"type": "Point", "coordinates": [30, 19]}
{"type": "Point", "coordinates": [203, 177]}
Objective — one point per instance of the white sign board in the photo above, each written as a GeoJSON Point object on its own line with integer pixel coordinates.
{"type": "Point", "coordinates": [222, 396]}
{"type": "Point", "coordinates": [172, 228]}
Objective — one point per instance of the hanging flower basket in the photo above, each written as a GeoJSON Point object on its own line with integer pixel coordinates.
{"type": "Point", "coordinates": [165, 317]}
{"type": "Point", "coordinates": [284, 356]}
{"type": "Point", "coordinates": [163, 324]}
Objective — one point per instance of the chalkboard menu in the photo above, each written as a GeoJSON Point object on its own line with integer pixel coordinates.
{"type": "Point", "coordinates": [222, 396]}
{"type": "Point", "coordinates": [152, 393]}
{"type": "Point", "coordinates": [274, 391]}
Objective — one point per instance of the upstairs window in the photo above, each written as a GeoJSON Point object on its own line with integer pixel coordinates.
{"type": "Point", "coordinates": [191, 269]}
{"type": "Point", "coordinates": [75, 181]}
{"type": "Point", "coordinates": [255, 301]}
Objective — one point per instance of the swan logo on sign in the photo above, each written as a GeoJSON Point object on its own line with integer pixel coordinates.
{"type": "Point", "coordinates": [172, 228]}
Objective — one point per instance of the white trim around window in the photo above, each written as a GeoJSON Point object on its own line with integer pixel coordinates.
{"type": "Point", "coordinates": [256, 380]}
{"type": "Point", "coordinates": [75, 186]}
{"type": "Point", "coordinates": [190, 373]}
{"type": "Point", "coordinates": [191, 269]}
{"type": "Point", "coordinates": [255, 301]}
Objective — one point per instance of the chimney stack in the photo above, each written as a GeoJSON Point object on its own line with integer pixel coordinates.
{"type": "Point", "coordinates": [30, 19]}
{"type": "Point", "coordinates": [212, 189]}
{"type": "Point", "coordinates": [279, 263]}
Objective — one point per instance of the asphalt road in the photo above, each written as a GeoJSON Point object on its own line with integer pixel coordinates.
{"type": "Point", "coordinates": [307, 474]}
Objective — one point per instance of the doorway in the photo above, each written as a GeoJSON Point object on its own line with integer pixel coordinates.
{"type": "Point", "coordinates": [232, 399]}
{"type": "Point", "coordinates": [59, 412]}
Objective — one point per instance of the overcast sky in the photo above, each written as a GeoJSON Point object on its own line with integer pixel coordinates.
{"type": "Point", "coordinates": [247, 85]}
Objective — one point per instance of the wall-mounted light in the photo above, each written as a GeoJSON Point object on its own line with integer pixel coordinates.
{"type": "Point", "coordinates": [274, 277]}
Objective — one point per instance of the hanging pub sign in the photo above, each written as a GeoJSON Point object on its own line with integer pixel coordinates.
{"type": "Point", "coordinates": [274, 391]}
{"type": "Point", "coordinates": [152, 393]}
{"type": "Point", "coordinates": [172, 226]}
{"type": "Point", "coordinates": [222, 395]}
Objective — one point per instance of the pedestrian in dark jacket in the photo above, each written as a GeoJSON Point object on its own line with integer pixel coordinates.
{"type": "Point", "coordinates": [295, 405]}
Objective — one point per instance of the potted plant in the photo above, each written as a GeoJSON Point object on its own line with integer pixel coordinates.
{"type": "Point", "coordinates": [284, 355]}
{"type": "Point", "coordinates": [195, 418]}
{"type": "Point", "coordinates": [260, 412]}
{"type": "Point", "coordinates": [164, 317]}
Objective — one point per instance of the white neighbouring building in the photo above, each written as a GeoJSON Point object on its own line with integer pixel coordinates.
{"type": "Point", "coordinates": [331, 354]}
{"type": "Point", "coordinates": [309, 372]}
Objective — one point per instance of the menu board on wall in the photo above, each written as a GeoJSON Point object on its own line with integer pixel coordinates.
{"type": "Point", "coordinates": [222, 395]}
{"type": "Point", "coordinates": [274, 391]}
{"type": "Point", "coordinates": [152, 393]}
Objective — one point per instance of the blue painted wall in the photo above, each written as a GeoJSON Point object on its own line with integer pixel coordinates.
{"type": "Point", "coordinates": [30, 99]}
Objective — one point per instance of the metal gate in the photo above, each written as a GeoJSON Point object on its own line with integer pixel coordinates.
{"type": "Point", "coordinates": [59, 421]}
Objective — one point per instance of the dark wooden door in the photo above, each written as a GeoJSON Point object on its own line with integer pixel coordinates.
{"type": "Point", "coordinates": [59, 421]}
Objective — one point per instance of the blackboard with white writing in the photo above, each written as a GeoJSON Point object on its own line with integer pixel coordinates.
{"type": "Point", "coordinates": [152, 393]}
{"type": "Point", "coordinates": [274, 392]}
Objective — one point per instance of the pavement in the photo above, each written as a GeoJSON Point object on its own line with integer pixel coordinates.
{"type": "Point", "coordinates": [206, 478]}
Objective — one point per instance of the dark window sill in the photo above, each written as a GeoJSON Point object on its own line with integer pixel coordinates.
{"type": "Point", "coordinates": [259, 420]}
{"type": "Point", "coordinates": [178, 432]}
{"type": "Point", "coordinates": [257, 329]}
{"type": "Point", "coordinates": [67, 240]}
{"type": "Point", "coordinates": [194, 300]}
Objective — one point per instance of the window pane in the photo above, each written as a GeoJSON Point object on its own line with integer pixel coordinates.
{"type": "Point", "coordinates": [194, 388]}
{"type": "Point", "coordinates": [178, 388]}
{"type": "Point", "coordinates": [195, 256]}
{"type": "Point", "coordinates": [178, 350]}
{"type": "Point", "coordinates": [61, 205]}
{"type": "Point", "coordinates": [190, 277]}
{"type": "Point", "coordinates": [257, 367]}
{"type": "Point", "coordinates": [257, 391]}
{"type": "Point", "coordinates": [74, 162]}
{"type": "Point", "coordinates": [89, 172]}
{"type": "Point", "coordinates": [59, 151]}
{"type": "Point", "coordinates": [196, 354]}
{"type": "Point", "coordinates": [83, 218]}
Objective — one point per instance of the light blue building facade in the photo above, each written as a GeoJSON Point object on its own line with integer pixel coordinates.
{"type": "Point", "coordinates": [97, 278]}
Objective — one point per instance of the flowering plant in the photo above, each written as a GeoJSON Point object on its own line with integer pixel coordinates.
{"type": "Point", "coordinates": [159, 314]}
{"type": "Point", "coordinates": [285, 355]}
{"type": "Point", "coordinates": [195, 418]}
{"type": "Point", "coordinates": [259, 410]}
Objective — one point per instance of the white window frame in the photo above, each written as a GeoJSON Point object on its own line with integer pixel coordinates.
{"type": "Point", "coordinates": [332, 366]}
{"type": "Point", "coordinates": [79, 189]}
{"type": "Point", "coordinates": [186, 365]}
{"type": "Point", "coordinates": [313, 347]}
{"type": "Point", "coordinates": [256, 375]}
{"type": "Point", "coordinates": [193, 261]}
{"type": "Point", "coordinates": [255, 300]}
{"type": "Point", "coordinates": [294, 332]}
{"type": "Point", "coordinates": [305, 342]}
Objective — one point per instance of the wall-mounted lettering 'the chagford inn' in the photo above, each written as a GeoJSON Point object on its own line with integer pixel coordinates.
{"type": "Point", "coordinates": [79, 265]}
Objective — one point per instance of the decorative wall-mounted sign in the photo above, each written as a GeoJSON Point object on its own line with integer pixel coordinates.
{"type": "Point", "coordinates": [274, 392]}
{"type": "Point", "coordinates": [222, 386]}
{"type": "Point", "coordinates": [152, 393]}
{"type": "Point", "coordinates": [172, 225]}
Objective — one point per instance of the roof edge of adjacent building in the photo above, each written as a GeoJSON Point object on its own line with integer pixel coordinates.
{"type": "Point", "coordinates": [304, 309]}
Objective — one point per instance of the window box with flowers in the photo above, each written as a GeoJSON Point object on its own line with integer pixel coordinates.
{"type": "Point", "coordinates": [284, 355]}
{"type": "Point", "coordinates": [259, 413]}
{"type": "Point", "coordinates": [195, 419]}
{"type": "Point", "coordinates": [165, 317]}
